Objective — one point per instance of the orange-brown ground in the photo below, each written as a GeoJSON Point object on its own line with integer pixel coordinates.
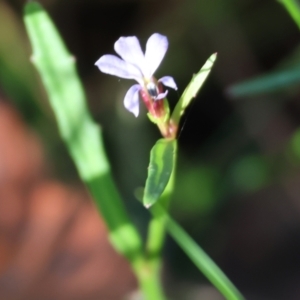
{"type": "Point", "coordinates": [53, 244]}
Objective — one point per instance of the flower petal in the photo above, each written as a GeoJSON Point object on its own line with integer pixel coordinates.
{"type": "Point", "coordinates": [156, 49]}
{"type": "Point", "coordinates": [161, 95]}
{"type": "Point", "coordinates": [168, 81]}
{"type": "Point", "coordinates": [129, 49]}
{"type": "Point", "coordinates": [113, 65]}
{"type": "Point", "coordinates": [131, 100]}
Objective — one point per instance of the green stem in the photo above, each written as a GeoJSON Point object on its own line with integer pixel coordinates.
{"type": "Point", "coordinates": [148, 275]}
{"type": "Point", "coordinates": [157, 233]}
{"type": "Point", "coordinates": [293, 8]}
{"type": "Point", "coordinates": [204, 263]}
{"type": "Point", "coordinates": [157, 225]}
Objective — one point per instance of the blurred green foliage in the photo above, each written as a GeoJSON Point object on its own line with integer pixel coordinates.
{"type": "Point", "coordinates": [18, 79]}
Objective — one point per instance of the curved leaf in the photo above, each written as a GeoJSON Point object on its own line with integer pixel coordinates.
{"type": "Point", "coordinates": [192, 89]}
{"type": "Point", "coordinates": [159, 171]}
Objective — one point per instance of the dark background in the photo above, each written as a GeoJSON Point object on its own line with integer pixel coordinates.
{"type": "Point", "coordinates": [238, 182]}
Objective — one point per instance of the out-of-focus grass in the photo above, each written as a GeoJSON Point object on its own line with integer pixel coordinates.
{"type": "Point", "coordinates": [17, 77]}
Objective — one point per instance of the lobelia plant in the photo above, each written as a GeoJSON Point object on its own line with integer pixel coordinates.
{"type": "Point", "coordinates": [84, 142]}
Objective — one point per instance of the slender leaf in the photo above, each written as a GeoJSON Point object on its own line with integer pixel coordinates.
{"type": "Point", "coordinates": [276, 80]}
{"type": "Point", "coordinates": [80, 133]}
{"type": "Point", "coordinates": [293, 8]}
{"type": "Point", "coordinates": [198, 256]}
{"type": "Point", "coordinates": [192, 89]}
{"type": "Point", "coordinates": [160, 169]}
{"type": "Point", "coordinates": [269, 83]}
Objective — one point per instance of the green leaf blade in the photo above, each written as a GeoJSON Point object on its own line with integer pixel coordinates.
{"type": "Point", "coordinates": [264, 84]}
{"type": "Point", "coordinates": [161, 166]}
{"type": "Point", "coordinates": [80, 133]}
{"type": "Point", "coordinates": [198, 256]}
{"type": "Point", "coordinates": [192, 89]}
{"type": "Point", "coordinates": [67, 98]}
{"type": "Point", "coordinates": [293, 8]}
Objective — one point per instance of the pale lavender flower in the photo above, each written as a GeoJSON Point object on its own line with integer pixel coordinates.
{"type": "Point", "coordinates": [140, 67]}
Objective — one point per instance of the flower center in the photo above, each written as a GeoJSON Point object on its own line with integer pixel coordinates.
{"type": "Point", "coordinates": [152, 89]}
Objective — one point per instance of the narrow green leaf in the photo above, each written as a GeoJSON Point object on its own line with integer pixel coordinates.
{"type": "Point", "coordinates": [80, 133]}
{"type": "Point", "coordinates": [192, 89]}
{"type": "Point", "coordinates": [293, 8]}
{"type": "Point", "coordinates": [161, 166]}
{"type": "Point", "coordinates": [269, 83]}
{"type": "Point", "coordinates": [198, 256]}
{"type": "Point", "coordinates": [58, 72]}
